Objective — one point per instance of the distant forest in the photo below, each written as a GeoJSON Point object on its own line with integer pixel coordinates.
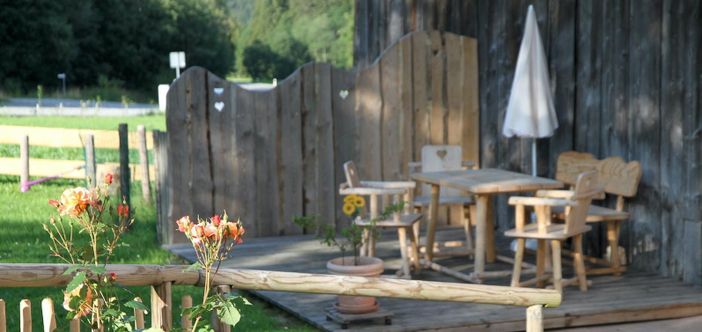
{"type": "Point", "coordinates": [126, 43]}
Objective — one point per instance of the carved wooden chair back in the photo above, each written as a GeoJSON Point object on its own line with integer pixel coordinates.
{"type": "Point", "coordinates": [586, 186]}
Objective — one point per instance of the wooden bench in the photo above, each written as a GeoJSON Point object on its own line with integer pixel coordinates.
{"type": "Point", "coordinates": [618, 178]}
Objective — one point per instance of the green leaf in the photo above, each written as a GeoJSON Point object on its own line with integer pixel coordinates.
{"type": "Point", "coordinates": [228, 313]}
{"type": "Point", "coordinates": [96, 269]}
{"type": "Point", "coordinates": [76, 281]}
{"type": "Point", "coordinates": [136, 305]}
{"type": "Point", "coordinates": [71, 269]}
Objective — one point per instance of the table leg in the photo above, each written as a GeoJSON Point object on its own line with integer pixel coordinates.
{"type": "Point", "coordinates": [433, 216]}
{"type": "Point", "coordinates": [480, 229]}
{"type": "Point", "coordinates": [490, 253]}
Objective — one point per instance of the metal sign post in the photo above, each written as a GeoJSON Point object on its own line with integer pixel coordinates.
{"type": "Point", "coordinates": [177, 61]}
{"type": "Point", "coordinates": [62, 77]}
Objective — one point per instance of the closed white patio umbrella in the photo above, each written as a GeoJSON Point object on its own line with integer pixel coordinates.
{"type": "Point", "coordinates": [530, 111]}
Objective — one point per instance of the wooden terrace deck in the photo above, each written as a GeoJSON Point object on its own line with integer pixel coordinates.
{"type": "Point", "coordinates": [632, 297]}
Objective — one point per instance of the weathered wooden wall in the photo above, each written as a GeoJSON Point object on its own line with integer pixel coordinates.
{"type": "Point", "coordinates": [271, 155]}
{"type": "Point", "coordinates": [626, 78]}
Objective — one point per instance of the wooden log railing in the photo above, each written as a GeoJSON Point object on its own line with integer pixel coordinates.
{"type": "Point", "coordinates": [162, 277]}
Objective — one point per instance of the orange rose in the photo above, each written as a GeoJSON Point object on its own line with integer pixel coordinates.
{"type": "Point", "coordinates": [84, 305]}
{"type": "Point", "coordinates": [74, 201]}
{"type": "Point", "coordinates": [211, 231]}
{"type": "Point", "coordinates": [184, 224]}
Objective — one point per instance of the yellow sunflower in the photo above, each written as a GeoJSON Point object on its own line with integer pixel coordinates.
{"type": "Point", "coordinates": [359, 201]}
{"type": "Point", "coordinates": [349, 209]}
{"type": "Point", "coordinates": [349, 198]}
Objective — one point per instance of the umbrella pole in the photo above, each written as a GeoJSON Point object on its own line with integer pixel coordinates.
{"type": "Point", "coordinates": [533, 157]}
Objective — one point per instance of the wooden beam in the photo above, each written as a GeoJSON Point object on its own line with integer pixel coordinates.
{"type": "Point", "coordinates": [24, 163]}
{"type": "Point", "coordinates": [43, 275]}
{"type": "Point", "coordinates": [534, 317]}
{"type": "Point", "coordinates": [124, 171]}
{"type": "Point", "coordinates": [90, 164]}
{"type": "Point", "coordinates": [144, 163]}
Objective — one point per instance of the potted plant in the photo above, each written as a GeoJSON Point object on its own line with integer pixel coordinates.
{"type": "Point", "coordinates": [351, 263]}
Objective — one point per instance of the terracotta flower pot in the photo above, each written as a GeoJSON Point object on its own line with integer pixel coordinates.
{"type": "Point", "coordinates": [367, 267]}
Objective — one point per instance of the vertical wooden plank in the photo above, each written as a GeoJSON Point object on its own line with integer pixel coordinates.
{"type": "Point", "coordinates": [644, 128]}
{"type": "Point", "coordinates": [179, 123]}
{"type": "Point", "coordinates": [561, 57]}
{"type": "Point", "coordinates": [90, 165]}
{"type": "Point", "coordinates": [244, 163]}
{"type": "Point", "coordinates": [346, 140]}
{"type": "Point", "coordinates": [406, 107]}
{"type": "Point", "coordinates": [125, 176]}
{"type": "Point", "coordinates": [291, 193]}
{"type": "Point", "coordinates": [390, 115]}
{"type": "Point", "coordinates": [439, 114]}
{"type": "Point", "coordinates": [488, 112]}
{"type": "Point", "coordinates": [309, 140]}
{"type": "Point", "coordinates": [165, 227]}
{"type": "Point", "coordinates": [221, 111]}
{"type": "Point", "coordinates": [395, 22]}
{"type": "Point", "coordinates": [25, 316]}
{"type": "Point", "coordinates": [48, 316]}
{"type": "Point", "coordinates": [368, 107]}
{"type": "Point", "coordinates": [265, 159]}
{"type": "Point", "coordinates": [144, 164]}
{"type": "Point", "coordinates": [360, 36]}
{"type": "Point", "coordinates": [324, 141]}
{"type": "Point", "coordinates": [161, 306]}
{"type": "Point", "coordinates": [471, 101]}
{"type": "Point", "coordinates": [588, 105]}
{"type": "Point", "coordinates": [693, 145]}
{"type": "Point", "coordinates": [200, 186]}
{"type": "Point", "coordinates": [534, 319]}
{"type": "Point", "coordinates": [421, 84]}
{"type": "Point", "coordinates": [454, 105]}
{"type": "Point", "coordinates": [615, 76]}
{"type": "Point", "coordinates": [439, 98]}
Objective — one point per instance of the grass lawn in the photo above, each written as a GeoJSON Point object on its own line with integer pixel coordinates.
{"type": "Point", "coordinates": [150, 122]}
{"type": "Point", "coordinates": [23, 239]}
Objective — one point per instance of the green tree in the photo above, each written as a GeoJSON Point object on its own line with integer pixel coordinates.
{"type": "Point", "coordinates": [259, 60]}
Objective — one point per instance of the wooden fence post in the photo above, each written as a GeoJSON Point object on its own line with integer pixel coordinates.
{"type": "Point", "coordinates": [144, 162]}
{"type": "Point", "coordinates": [161, 306]}
{"type": "Point", "coordinates": [534, 318]}
{"type": "Point", "coordinates": [90, 165]}
{"type": "Point", "coordinates": [217, 324]}
{"type": "Point", "coordinates": [163, 229]}
{"type": "Point", "coordinates": [124, 172]}
{"type": "Point", "coordinates": [47, 315]}
{"type": "Point", "coordinates": [185, 322]}
{"type": "Point", "coordinates": [25, 316]}
{"type": "Point", "coordinates": [138, 316]}
{"type": "Point", "coordinates": [24, 161]}
{"type": "Point", "coordinates": [3, 321]}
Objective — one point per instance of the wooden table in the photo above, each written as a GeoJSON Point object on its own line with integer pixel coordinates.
{"type": "Point", "coordinates": [482, 183]}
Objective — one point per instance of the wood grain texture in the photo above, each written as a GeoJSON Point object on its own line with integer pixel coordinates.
{"type": "Point", "coordinates": [290, 165]}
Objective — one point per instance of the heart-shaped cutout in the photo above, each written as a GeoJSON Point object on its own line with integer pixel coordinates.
{"type": "Point", "coordinates": [218, 91]}
{"type": "Point", "coordinates": [219, 105]}
{"type": "Point", "coordinates": [441, 153]}
{"type": "Point", "coordinates": [343, 94]}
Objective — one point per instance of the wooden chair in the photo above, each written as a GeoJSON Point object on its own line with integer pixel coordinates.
{"type": "Point", "coordinates": [618, 178]}
{"type": "Point", "coordinates": [576, 203]}
{"type": "Point", "coordinates": [437, 158]}
{"type": "Point", "coordinates": [403, 222]}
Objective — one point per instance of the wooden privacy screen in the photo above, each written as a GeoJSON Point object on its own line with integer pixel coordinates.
{"type": "Point", "coordinates": [266, 156]}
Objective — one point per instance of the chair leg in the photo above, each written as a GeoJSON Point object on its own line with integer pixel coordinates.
{"type": "Point", "coordinates": [518, 258]}
{"type": "Point", "coordinates": [613, 239]}
{"type": "Point", "coordinates": [490, 252]}
{"type": "Point", "coordinates": [416, 228]}
{"type": "Point", "coordinates": [402, 237]}
{"type": "Point", "coordinates": [467, 227]}
{"type": "Point", "coordinates": [579, 263]}
{"type": "Point", "coordinates": [556, 261]}
{"type": "Point", "coordinates": [540, 262]}
{"type": "Point", "coordinates": [371, 245]}
{"type": "Point", "coordinates": [414, 247]}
